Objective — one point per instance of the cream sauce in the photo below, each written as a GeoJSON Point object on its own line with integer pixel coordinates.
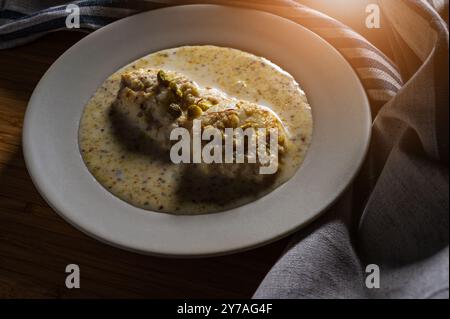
{"type": "Point", "coordinates": [147, 180]}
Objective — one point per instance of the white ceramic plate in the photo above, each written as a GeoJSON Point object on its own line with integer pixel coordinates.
{"type": "Point", "coordinates": [340, 139]}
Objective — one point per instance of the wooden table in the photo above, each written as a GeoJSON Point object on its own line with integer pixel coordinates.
{"type": "Point", "coordinates": [36, 244]}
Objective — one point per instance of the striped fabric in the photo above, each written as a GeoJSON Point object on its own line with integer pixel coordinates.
{"type": "Point", "coordinates": [23, 21]}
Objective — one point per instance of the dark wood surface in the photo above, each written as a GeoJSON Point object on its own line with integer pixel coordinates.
{"type": "Point", "coordinates": [36, 244]}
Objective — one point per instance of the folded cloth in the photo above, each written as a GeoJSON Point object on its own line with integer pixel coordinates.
{"type": "Point", "coordinates": [395, 215]}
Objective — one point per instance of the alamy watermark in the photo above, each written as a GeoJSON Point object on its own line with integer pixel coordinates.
{"type": "Point", "coordinates": [73, 17]}
{"type": "Point", "coordinates": [373, 19]}
{"type": "Point", "coordinates": [73, 277]}
{"type": "Point", "coordinates": [232, 145]}
{"type": "Point", "coordinates": [373, 276]}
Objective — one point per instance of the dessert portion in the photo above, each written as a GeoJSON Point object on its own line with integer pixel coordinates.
{"type": "Point", "coordinates": [164, 100]}
{"type": "Point", "coordinates": [159, 101]}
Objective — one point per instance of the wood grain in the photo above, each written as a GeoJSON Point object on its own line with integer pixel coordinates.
{"type": "Point", "coordinates": [36, 244]}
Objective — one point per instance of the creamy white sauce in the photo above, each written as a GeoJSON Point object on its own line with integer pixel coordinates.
{"type": "Point", "coordinates": [148, 181]}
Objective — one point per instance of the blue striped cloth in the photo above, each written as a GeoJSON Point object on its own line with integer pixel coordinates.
{"type": "Point", "coordinates": [23, 21]}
